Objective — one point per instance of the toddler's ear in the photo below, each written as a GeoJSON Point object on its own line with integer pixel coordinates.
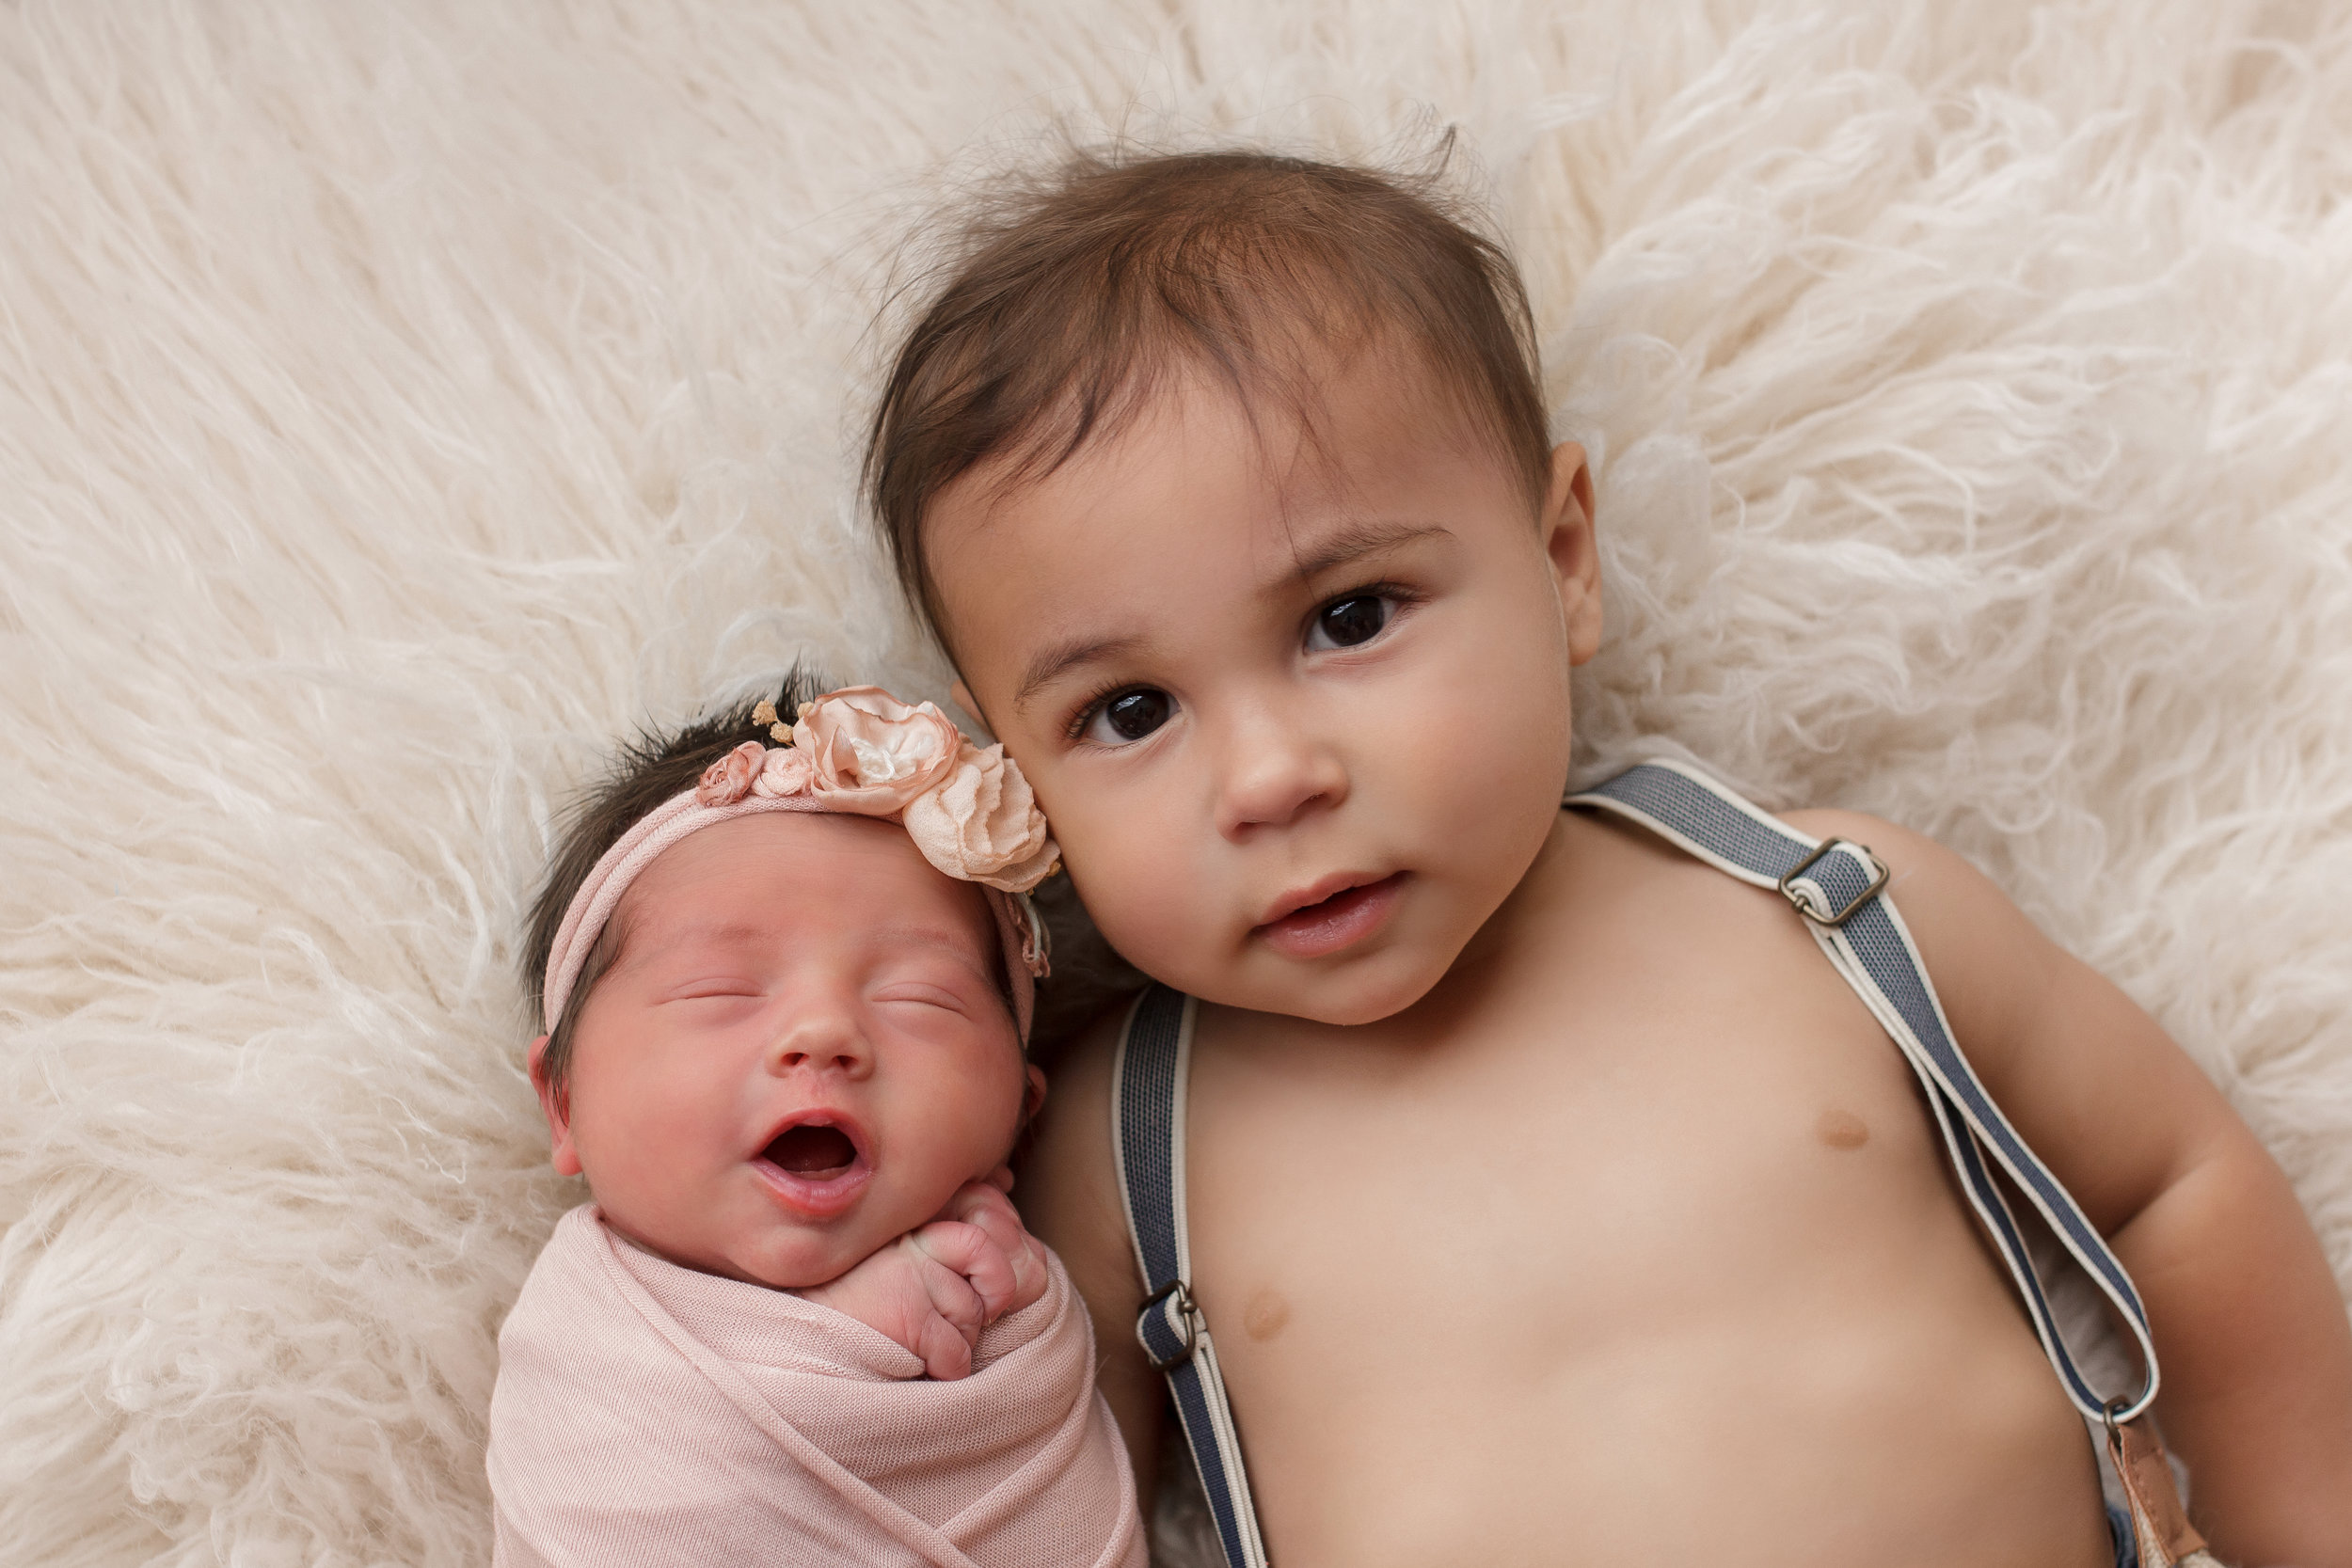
{"type": "Point", "coordinates": [1567, 534]}
{"type": "Point", "coordinates": [556, 1104]}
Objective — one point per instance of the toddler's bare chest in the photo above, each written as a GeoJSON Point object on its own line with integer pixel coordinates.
{"type": "Point", "coordinates": [1563, 1254]}
{"type": "Point", "coordinates": [1669, 1132]}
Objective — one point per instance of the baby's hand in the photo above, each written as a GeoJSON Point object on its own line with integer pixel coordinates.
{"type": "Point", "coordinates": [935, 1289]}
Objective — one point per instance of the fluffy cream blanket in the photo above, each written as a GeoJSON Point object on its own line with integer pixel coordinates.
{"type": "Point", "coordinates": [398, 401]}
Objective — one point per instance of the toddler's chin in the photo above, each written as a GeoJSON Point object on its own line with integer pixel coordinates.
{"type": "Point", "coordinates": [1365, 994]}
{"type": "Point", "coordinates": [1369, 1008]}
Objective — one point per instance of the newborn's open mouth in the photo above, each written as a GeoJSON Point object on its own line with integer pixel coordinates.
{"type": "Point", "coordinates": [814, 1150]}
{"type": "Point", "coordinates": [817, 1164]}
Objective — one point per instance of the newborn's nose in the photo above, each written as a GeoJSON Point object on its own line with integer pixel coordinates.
{"type": "Point", "coordinates": [825, 1039]}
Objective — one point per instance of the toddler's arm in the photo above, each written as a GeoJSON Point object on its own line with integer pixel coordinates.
{"type": "Point", "coordinates": [2251, 1333]}
{"type": "Point", "coordinates": [1071, 1187]}
{"type": "Point", "coordinates": [935, 1288]}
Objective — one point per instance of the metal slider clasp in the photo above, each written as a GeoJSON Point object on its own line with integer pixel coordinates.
{"type": "Point", "coordinates": [1806, 904]}
{"type": "Point", "coordinates": [1185, 1330]}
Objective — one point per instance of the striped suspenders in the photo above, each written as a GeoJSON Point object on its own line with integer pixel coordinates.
{"type": "Point", "coordinates": [1150, 1072]}
{"type": "Point", "coordinates": [1838, 887]}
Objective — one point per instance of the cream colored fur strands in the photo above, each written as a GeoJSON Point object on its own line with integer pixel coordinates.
{"type": "Point", "coordinates": [400, 402]}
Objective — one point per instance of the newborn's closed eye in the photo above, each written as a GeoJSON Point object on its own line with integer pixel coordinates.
{"type": "Point", "coordinates": [716, 999]}
{"type": "Point", "coordinates": [696, 990]}
{"type": "Point", "coordinates": [923, 995]}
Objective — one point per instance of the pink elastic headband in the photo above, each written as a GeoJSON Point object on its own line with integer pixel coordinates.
{"type": "Point", "coordinates": [862, 752]}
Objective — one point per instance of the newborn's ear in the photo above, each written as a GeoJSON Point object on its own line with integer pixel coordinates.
{"type": "Point", "coordinates": [557, 1107]}
{"type": "Point", "coordinates": [1035, 1098]}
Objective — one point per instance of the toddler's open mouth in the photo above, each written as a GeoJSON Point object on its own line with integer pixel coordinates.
{"type": "Point", "coordinates": [815, 1164]}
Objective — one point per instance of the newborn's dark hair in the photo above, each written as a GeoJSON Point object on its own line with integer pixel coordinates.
{"type": "Point", "coordinates": [1064, 303]}
{"type": "Point", "coordinates": [648, 771]}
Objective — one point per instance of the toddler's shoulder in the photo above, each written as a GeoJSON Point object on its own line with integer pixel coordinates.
{"type": "Point", "coordinates": [1941, 895]}
{"type": "Point", "coordinates": [1071, 1135]}
{"type": "Point", "coordinates": [1067, 1192]}
{"type": "Point", "coordinates": [1987, 959]}
{"type": "Point", "coordinates": [1932, 871]}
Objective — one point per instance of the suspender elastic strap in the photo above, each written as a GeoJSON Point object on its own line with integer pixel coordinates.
{"type": "Point", "coordinates": [1150, 1074]}
{"type": "Point", "coordinates": [1836, 886]}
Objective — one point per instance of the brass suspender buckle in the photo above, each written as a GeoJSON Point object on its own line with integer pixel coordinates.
{"type": "Point", "coordinates": [1185, 1328]}
{"type": "Point", "coordinates": [1805, 900]}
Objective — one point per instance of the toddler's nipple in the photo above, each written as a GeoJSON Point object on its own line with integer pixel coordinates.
{"type": "Point", "coordinates": [1841, 1129]}
{"type": "Point", "coordinates": [1267, 1315]}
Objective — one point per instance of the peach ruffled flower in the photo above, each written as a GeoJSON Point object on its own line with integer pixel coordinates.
{"type": "Point", "coordinates": [729, 779]}
{"type": "Point", "coordinates": [862, 752]}
{"type": "Point", "coordinates": [785, 771]}
{"type": "Point", "coordinates": [871, 753]}
{"type": "Point", "coordinates": [981, 823]}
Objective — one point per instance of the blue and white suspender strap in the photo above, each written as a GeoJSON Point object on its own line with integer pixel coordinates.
{"type": "Point", "coordinates": [1149, 1076]}
{"type": "Point", "coordinates": [1838, 887]}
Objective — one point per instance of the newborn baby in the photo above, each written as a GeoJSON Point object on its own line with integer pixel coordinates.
{"type": "Point", "coordinates": [787, 983]}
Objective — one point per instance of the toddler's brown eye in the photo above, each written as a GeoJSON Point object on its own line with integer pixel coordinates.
{"type": "Point", "coordinates": [1346, 623]}
{"type": "Point", "coordinates": [1130, 716]}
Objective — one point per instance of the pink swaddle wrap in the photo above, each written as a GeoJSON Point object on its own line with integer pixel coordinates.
{"type": "Point", "coordinates": [646, 1413]}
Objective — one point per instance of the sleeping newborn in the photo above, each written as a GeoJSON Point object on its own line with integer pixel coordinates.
{"type": "Point", "coordinates": [787, 983]}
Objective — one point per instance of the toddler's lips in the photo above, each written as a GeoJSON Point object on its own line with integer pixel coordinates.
{"type": "Point", "coordinates": [1339, 917]}
{"type": "Point", "coordinates": [815, 1164]}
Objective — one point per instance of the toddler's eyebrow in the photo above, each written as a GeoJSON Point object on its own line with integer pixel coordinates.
{"type": "Point", "coordinates": [1354, 540]}
{"type": "Point", "coordinates": [1057, 660]}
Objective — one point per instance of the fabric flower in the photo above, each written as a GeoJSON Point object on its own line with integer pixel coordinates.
{"type": "Point", "coordinates": [982, 825]}
{"type": "Point", "coordinates": [871, 753]}
{"type": "Point", "coordinates": [729, 779]}
{"type": "Point", "coordinates": [784, 770]}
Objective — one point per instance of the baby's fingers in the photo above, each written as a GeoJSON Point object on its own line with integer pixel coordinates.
{"type": "Point", "coordinates": [943, 1305]}
{"type": "Point", "coordinates": [983, 1265]}
{"type": "Point", "coordinates": [984, 1205]}
{"type": "Point", "coordinates": [947, 1353]}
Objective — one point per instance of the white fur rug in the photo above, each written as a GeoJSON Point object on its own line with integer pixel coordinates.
{"type": "Point", "coordinates": [399, 402]}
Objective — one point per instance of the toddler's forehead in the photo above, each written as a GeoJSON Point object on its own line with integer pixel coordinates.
{"type": "Point", "coordinates": [1340, 437]}
{"type": "Point", "coordinates": [1296, 411]}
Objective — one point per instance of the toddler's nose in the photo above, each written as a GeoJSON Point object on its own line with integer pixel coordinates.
{"type": "Point", "coordinates": [1273, 772]}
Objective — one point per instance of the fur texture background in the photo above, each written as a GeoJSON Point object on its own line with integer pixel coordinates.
{"type": "Point", "coordinates": [400, 402]}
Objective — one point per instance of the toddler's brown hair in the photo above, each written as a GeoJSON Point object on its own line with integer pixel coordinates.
{"type": "Point", "coordinates": [1069, 301]}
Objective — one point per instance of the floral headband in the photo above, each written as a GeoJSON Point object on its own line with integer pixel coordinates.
{"type": "Point", "coordinates": [860, 752]}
